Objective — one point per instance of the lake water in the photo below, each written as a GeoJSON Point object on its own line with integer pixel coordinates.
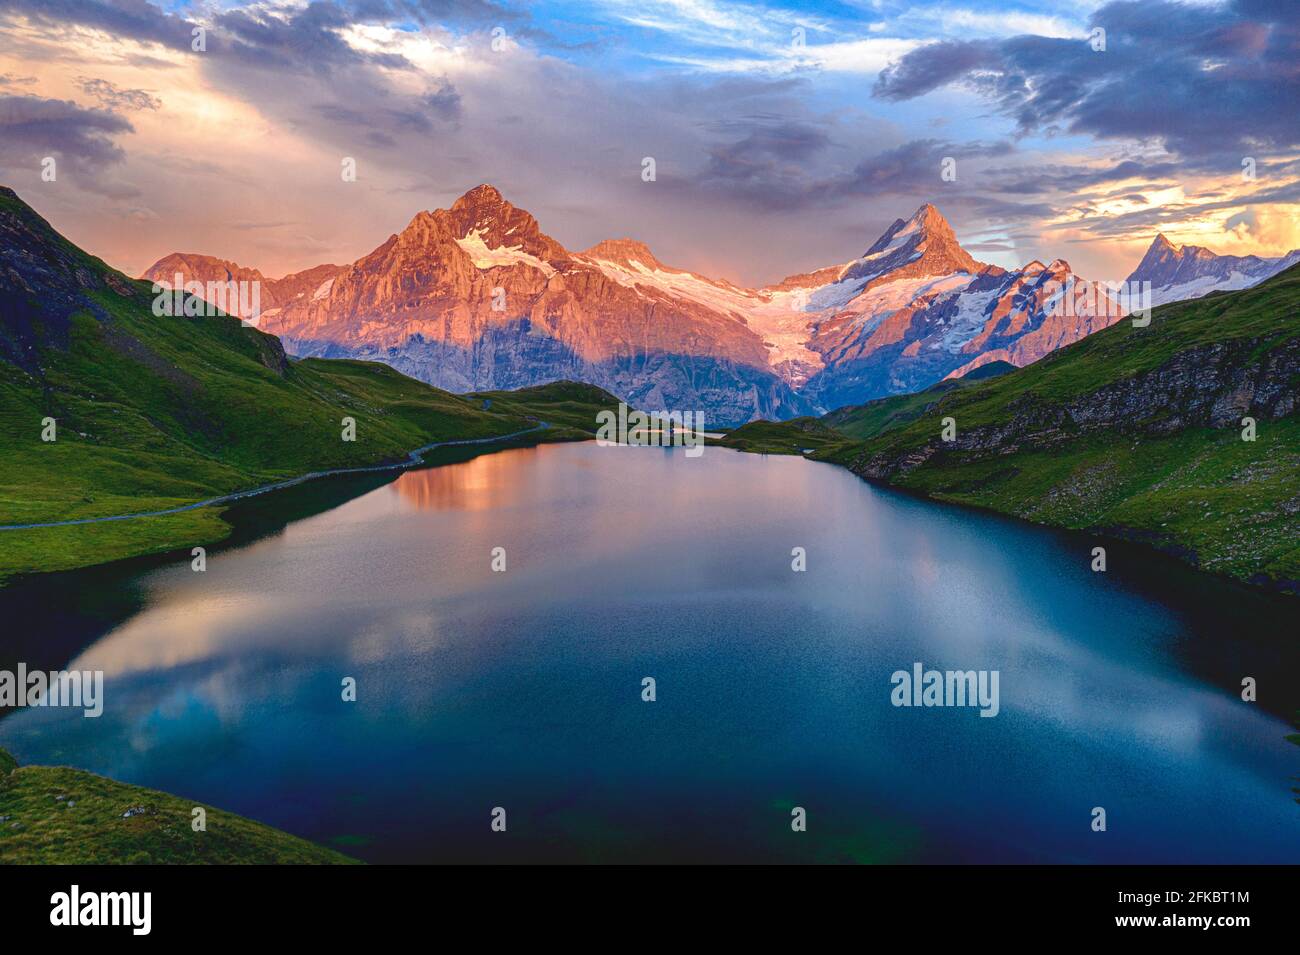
{"type": "Point", "coordinates": [523, 689]}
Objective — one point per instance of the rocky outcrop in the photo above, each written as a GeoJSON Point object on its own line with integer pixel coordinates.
{"type": "Point", "coordinates": [44, 281]}
{"type": "Point", "coordinates": [1213, 385]}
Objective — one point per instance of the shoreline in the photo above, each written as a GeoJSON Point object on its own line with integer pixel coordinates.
{"type": "Point", "coordinates": [413, 458]}
{"type": "Point", "coordinates": [1280, 588]}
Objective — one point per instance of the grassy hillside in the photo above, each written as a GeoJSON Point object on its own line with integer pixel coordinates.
{"type": "Point", "coordinates": [885, 414]}
{"type": "Point", "coordinates": [854, 422]}
{"type": "Point", "coordinates": [56, 815]}
{"type": "Point", "coordinates": [155, 412]}
{"type": "Point", "coordinates": [569, 405]}
{"type": "Point", "coordinates": [783, 437]}
{"type": "Point", "coordinates": [1134, 432]}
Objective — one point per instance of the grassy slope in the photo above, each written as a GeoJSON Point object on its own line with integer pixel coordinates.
{"type": "Point", "coordinates": [87, 826]}
{"type": "Point", "coordinates": [569, 405]}
{"type": "Point", "coordinates": [1228, 505]}
{"type": "Point", "coordinates": [783, 437]}
{"type": "Point", "coordinates": [856, 422]}
{"type": "Point", "coordinates": [884, 414]}
{"type": "Point", "coordinates": [157, 412]}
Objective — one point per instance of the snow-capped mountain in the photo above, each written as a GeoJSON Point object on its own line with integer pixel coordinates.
{"type": "Point", "coordinates": [477, 297]}
{"type": "Point", "coordinates": [916, 308]}
{"type": "Point", "coordinates": [1191, 271]}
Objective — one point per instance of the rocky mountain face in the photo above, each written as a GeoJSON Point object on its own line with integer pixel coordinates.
{"type": "Point", "coordinates": [477, 297]}
{"type": "Point", "coordinates": [1209, 386]}
{"type": "Point", "coordinates": [916, 308]}
{"type": "Point", "coordinates": [1191, 271]}
{"type": "Point", "coordinates": [206, 269]}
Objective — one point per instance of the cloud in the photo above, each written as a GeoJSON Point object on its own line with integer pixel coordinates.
{"type": "Point", "coordinates": [914, 168]}
{"type": "Point", "coordinates": [1261, 226]}
{"type": "Point", "coordinates": [384, 122]}
{"type": "Point", "coordinates": [134, 19]}
{"type": "Point", "coordinates": [1046, 177]}
{"type": "Point", "coordinates": [764, 159]}
{"type": "Point", "coordinates": [112, 98]}
{"type": "Point", "coordinates": [769, 165]}
{"type": "Point", "coordinates": [435, 12]}
{"type": "Point", "coordinates": [309, 38]}
{"type": "Point", "coordinates": [1157, 217]}
{"type": "Point", "coordinates": [1201, 80]}
{"type": "Point", "coordinates": [80, 140]}
{"type": "Point", "coordinates": [753, 134]}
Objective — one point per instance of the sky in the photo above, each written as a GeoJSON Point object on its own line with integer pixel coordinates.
{"type": "Point", "coordinates": [786, 136]}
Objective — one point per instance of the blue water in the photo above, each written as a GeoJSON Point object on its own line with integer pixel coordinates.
{"type": "Point", "coordinates": [522, 689]}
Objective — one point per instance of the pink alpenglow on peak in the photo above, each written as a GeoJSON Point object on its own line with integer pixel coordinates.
{"type": "Point", "coordinates": [478, 297]}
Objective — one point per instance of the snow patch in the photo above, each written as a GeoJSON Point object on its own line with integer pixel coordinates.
{"type": "Point", "coordinates": [1202, 286]}
{"type": "Point", "coordinates": [972, 315]}
{"type": "Point", "coordinates": [485, 258]}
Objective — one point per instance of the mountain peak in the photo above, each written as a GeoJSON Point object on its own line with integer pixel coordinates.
{"type": "Point", "coordinates": [625, 252]}
{"type": "Point", "coordinates": [929, 214]}
{"type": "Point", "coordinates": [926, 226]}
{"type": "Point", "coordinates": [499, 224]}
{"type": "Point", "coordinates": [1161, 259]}
{"type": "Point", "coordinates": [483, 206]}
{"type": "Point", "coordinates": [1189, 271]}
{"type": "Point", "coordinates": [481, 196]}
{"type": "Point", "coordinates": [925, 244]}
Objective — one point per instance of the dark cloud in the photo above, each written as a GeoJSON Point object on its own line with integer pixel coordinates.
{"type": "Point", "coordinates": [308, 38]}
{"type": "Point", "coordinates": [765, 159]}
{"type": "Point", "coordinates": [1201, 80]}
{"type": "Point", "coordinates": [939, 64]}
{"type": "Point", "coordinates": [427, 12]}
{"type": "Point", "coordinates": [80, 140]}
{"type": "Point", "coordinates": [383, 123]}
{"type": "Point", "coordinates": [768, 162]}
{"type": "Point", "coordinates": [132, 19]}
{"type": "Point", "coordinates": [290, 37]}
{"type": "Point", "coordinates": [1058, 177]}
{"type": "Point", "coordinates": [914, 168]}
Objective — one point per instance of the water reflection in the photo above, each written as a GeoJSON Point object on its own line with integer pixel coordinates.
{"type": "Point", "coordinates": [479, 688]}
{"type": "Point", "coordinates": [485, 482]}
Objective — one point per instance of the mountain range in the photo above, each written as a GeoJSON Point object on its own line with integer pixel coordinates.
{"type": "Point", "coordinates": [477, 296]}
{"type": "Point", "coordinates": [1190, 271]}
